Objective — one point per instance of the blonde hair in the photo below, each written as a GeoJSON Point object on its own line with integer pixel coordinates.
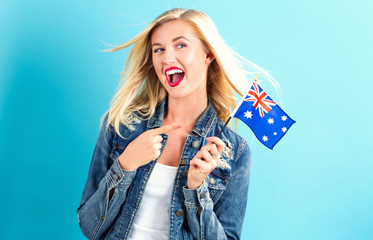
{"type": "Point", "coordinates": [140, 91]}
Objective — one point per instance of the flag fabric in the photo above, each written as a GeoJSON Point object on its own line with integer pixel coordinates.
{"type": "Point", "coordinates": [265, 118]}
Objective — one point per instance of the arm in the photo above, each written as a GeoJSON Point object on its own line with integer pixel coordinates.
{"type": "Point", "coordinates": [224, 220]}
{"type": "Point", "coordinates": [105, 189]}
{"type": "Point", "coordinates": [108, 182]}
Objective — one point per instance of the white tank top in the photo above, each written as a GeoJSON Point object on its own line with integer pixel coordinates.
{"type": "Point", "coordinates": [151, 220]}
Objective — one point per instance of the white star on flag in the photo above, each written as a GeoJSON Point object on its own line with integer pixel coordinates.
{"type": "Point", "coordinates": [284, 118]}
{"type": "Point", "coordinates": [265, 138]}
{"type": "Point", "coordinates": [270, 120]}
{"type": "Point", "coordinates": [283, 129]}
{"type": "Point", "coordinates": [248, 114]}
{"type": "Point", "coordinates": [275, 133]}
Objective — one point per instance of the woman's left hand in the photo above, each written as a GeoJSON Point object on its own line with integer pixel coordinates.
{"type": "Point", "coordinates": [206, 160]}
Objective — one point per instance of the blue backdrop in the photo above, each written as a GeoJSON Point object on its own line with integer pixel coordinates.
{"type": "Point", "coordinates": [55, 84]}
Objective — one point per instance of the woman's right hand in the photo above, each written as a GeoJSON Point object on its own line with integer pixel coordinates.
{"type": "Point", "coordinates": [145, 148]}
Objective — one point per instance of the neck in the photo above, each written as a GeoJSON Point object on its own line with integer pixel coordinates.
{"type": "Point", "coordinates": [185, 111]}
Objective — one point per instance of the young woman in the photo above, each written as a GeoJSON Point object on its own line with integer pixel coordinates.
{"type": "Point", "coordinates": [158, 170]}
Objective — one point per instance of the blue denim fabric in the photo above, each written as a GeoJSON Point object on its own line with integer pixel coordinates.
{"type": "Point", "coordinates": [213, 211]}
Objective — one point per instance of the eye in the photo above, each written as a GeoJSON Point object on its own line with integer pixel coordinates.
{"type": "Point", "coordinates": [157, 50]}
{"type": "Point", "coordinates": [181, 45]}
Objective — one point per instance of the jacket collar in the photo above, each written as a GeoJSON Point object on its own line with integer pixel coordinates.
{"type": "Point", "coordinates": [202, 126]}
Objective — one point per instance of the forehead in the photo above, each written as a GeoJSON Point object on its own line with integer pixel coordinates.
{"type": "Point", "coordinates": [172, 29]}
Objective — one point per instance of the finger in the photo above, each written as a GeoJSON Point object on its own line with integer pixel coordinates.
{"type": "Point", "coordinates": [211, 147]}
{"type": "Point", "coordinates": [207, 156]}
{"type": "Point", "coordinates": [219, 143]}
{"type": "Point", "coordinates": [214, 150]}
{"type": "Point", "coordinates": [166, 128]}
{"type": "Point", "coordinates": [199, 154]}
{"type": "Point", "coordinates": [201, 165]}
{"type": "Point", "coordinates": [156, 154]}
{"type": "Point", "coordinates": [158, 139]}
{"type": "Point", "coordinates": [208, 146]}
{"type": "Point", "coordinates": [157, 146]}
{"type": "Point", "coordinates": [212, 162]}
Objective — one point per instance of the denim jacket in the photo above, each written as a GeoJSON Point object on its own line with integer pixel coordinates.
{"type": "Point", "coordinates": [213, 211]}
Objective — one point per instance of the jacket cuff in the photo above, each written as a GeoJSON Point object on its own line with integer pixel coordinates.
{"type": "Point", "coordinates": [117, 176]}
{"type": "Point", "coordinates": [195, 198]}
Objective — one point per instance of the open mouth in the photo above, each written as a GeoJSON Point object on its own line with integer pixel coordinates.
{"type": "Point", "coordinates": [174, 76]}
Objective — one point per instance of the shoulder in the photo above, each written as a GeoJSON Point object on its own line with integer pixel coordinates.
{"type": "Point", "coordinates": [125, 133]}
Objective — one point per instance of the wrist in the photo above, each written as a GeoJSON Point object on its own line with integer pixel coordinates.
{"type": "Point", "coordinates": [193, 186]}
{"type": "Point", "coordinates": [125, 164]}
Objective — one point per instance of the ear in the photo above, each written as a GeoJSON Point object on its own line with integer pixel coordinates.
{"type": "Point", "coordinates": [209, 58]}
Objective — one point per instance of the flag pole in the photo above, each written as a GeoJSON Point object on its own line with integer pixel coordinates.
{"type": "Point", "coordinates": [234, 111]}
{"type": "Point", "coordinates": [225, 124]}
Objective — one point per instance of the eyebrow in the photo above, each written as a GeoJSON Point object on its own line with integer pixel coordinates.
{"type": "Point", "coordinates": [173, 40]}
{"type": "Point", "coordinates": [179, 37]}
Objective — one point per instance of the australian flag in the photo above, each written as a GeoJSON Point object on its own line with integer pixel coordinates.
{"type": "Point", "coordinates": [265, 118]}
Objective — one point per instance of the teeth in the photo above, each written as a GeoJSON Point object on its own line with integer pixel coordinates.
{"type": "Point", "coordinates": [173, 71]}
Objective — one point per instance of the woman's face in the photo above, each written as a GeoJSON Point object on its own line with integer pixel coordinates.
{"type": "Point", "coordinates": [180, 60]}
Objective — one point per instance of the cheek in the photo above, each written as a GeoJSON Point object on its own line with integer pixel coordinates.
{"type": "Point", "coordinates": [157, 66]}
{"type": "Point", "coordinates": [197, 58]}
{"type": "Point", "coordinates": [197, 65]}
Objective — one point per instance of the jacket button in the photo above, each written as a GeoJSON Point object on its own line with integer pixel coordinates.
{"type": "Point", "coordinates": [202, 195]}
{"type": "Point", "coordinates": [212, 181]}
{"type": "Point", "coordinates": [179, 213]}
{"type": "Point", "coordinates": [115, 176]}
{"type": "Point", "coordinates": [195, 144]}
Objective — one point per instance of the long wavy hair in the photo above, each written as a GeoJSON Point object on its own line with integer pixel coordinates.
{"type": "Point", "coordinates": [140, 90]}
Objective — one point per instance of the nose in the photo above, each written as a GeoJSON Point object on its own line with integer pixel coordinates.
{"type": "Point", "coordinates": [169, 57]}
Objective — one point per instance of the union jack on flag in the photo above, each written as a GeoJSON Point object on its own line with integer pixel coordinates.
{"type": "Point", "coordinates": [265, 118]}
{"type": "Point", "coordinates": [260, 98]}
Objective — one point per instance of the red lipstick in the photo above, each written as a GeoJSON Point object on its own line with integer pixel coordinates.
{"type": "Point", "coordinates": [175, 76]}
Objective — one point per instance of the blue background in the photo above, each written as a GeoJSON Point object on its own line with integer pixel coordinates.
{"type": "Point", "coordinates": [55, 84]}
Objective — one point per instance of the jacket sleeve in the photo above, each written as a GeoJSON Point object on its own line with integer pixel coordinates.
{"type": "Point", "coordinates": [224, 219]}
{"type": "Point", "coordinates": [97, 211]}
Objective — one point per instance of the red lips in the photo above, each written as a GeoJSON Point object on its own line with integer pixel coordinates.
{"type": "Point", "coordinates": [175, 76]}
